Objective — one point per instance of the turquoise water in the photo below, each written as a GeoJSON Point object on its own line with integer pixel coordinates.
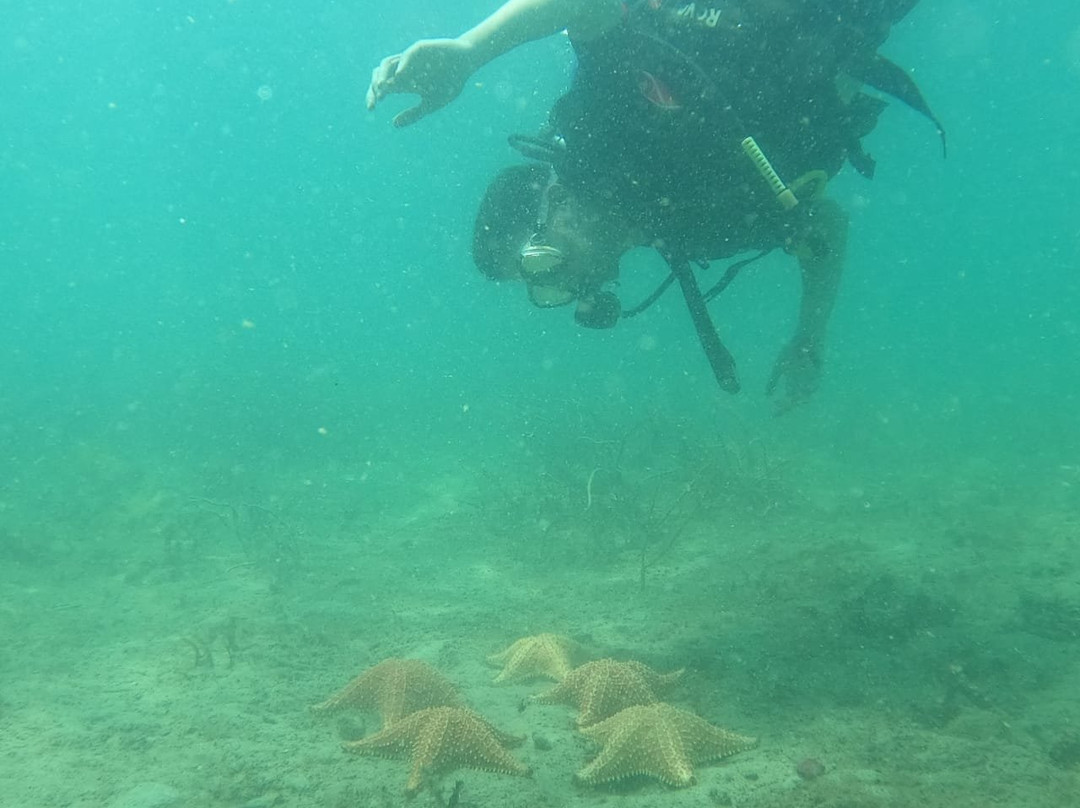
{"type": "Point", "coordinates": [257, 408]}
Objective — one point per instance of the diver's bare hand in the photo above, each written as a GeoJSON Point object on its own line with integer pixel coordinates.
{"type": "Point", "coordinates": [434, 69]}
{"type": "Point", "coordinates": [799, 368]}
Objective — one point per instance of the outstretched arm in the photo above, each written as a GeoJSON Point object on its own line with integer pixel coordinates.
{"type": "Point", "coordinates": [821, 250]}
{"type": "Point", "coordinates": [437, 69]}
{"type": "Point", "coordinates": [521, 21]}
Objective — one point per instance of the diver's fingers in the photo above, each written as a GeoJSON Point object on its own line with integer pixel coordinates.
{"type": "Point", "coordinates": [381, 79]}
{"type": "Point", "coordinates": [411, 115]}
{"type": "Point", "coordinates": [372, 98]}
{"type": "Point", "coordinates": [405, 58]}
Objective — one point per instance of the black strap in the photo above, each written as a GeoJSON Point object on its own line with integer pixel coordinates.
{"type": "Point", "coordinates": [720, 359]}
{"type": "Point", "coordinates": [731, 273]}
{"type": "Point", "coordinates": [714, 291]}
{"type": "Point", "coordinates": [644, 304]}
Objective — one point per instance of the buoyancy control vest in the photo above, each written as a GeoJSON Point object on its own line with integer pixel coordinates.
{"type": "Point", "coordinates": [660, 105]}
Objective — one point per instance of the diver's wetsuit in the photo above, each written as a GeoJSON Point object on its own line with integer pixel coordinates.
{"type": "Point", "coordinates": [659, 106]}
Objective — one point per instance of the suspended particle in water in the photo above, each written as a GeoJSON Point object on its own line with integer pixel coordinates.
{"type": "Point", "coordinates": [1072, 52]}
{"type": "Point", "coordinates": [265, 92]}
{"type": "Point", "coordinates": [504, 91]}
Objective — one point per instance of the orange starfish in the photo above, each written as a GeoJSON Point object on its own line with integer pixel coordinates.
{"type": "Point", "coordinates": [602, 688]}
{"type": "Point", "coordinates": [542, 655]}
{"type": "Point", "coordinates": [395, 688]}
{"type": "Point", "coordinates": [440, 739]}
{"type": "Point", "coordinates": [656, 740]}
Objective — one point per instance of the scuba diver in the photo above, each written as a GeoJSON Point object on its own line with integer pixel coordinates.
{"type": "Point", "coordinates": [681, 124]}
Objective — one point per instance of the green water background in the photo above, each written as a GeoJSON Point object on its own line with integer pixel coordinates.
{"type": "Point", "coordinates": [153, 202]}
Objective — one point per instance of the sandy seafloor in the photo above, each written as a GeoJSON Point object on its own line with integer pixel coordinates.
{"type": "Point", "coordinates": [163, 638]}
